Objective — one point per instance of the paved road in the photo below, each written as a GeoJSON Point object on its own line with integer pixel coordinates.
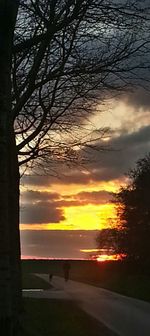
{"type": "Point", "coordinates": [125, 316]}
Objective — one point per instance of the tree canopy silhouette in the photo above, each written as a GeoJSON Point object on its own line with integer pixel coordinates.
{"type": "Point", "coordinates": [107, 241]}
{"type": "Point", "coordinates": [134, 212]}
{"type": "Point", "coordinates": [131, 235]}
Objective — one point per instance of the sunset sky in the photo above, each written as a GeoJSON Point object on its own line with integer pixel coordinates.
{"type": "Point", "coordinates": [60, 216]}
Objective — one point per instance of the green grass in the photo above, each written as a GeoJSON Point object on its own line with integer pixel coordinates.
{"type": "Point", "coordinates": [120, 280]}
{"type": "Point", "coordinates": [134, 286]}
{"type": "Point", "coordinates": [45, 317]}
{"type": "Point", "coordinates": [31, 281]}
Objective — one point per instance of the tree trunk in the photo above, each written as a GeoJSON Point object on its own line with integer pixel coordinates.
{"type": "Point", "coordinates": [15, 262]}
{"type": "Point", "coordinates": [10, 289]}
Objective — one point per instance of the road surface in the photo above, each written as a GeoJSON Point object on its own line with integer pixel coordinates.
{"type": "Point", "coordinates": [123, 315]}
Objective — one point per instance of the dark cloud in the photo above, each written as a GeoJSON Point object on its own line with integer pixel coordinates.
{"type": "Point", "coordinates": [108, 165]}
{"type": "Point", "coordinates": [42, 212]}
{"type": "Point", "coordinates": [94, 197]}
{"type": "Point", "coordinates": [125, 150]}
{"type": "Point", "coordinates": [57, 201]}
{"type": "Point", "coordinates": [34, 195]}
{"type": "Point", "coordinates": [57, 244]}
{"type": "Point", "coordinates": [70, 203]}
{"type": "Point", "coordinates": [51, 200]}
{"type": "Point", "coordinates": [37, 180]}
{"type": "Point", "coordinates": [84, 198]}
{"type": "Point", "coordinates": [72, 177]}
{"type": "Point", "coordinates": [75, 177]}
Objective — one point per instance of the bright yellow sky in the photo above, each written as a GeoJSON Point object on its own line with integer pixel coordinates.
{"type": "Point", "coordinates": [87, 217]}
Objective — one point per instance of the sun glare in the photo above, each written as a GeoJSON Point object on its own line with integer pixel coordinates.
{"type": "Point", "coordinates": [105, 257]}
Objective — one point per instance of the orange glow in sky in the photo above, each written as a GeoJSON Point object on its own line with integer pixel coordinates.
{"type": "Point", "coordinates": [88, 217]}
{"type": "Point", "coordinates": [105, 257]}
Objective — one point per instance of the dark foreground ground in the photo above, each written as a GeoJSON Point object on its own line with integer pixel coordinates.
{"type": "Point", "coordinates": [60, 318]}
{"type": "Point", "coordinates": [122, 277]}
{"type": "Point", "coordinates": [51, 317]}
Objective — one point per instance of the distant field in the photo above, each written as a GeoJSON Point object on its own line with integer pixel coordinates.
{"type": "Point", "coordinates": [117, 276]}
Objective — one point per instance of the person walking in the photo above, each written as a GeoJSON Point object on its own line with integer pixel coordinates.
{"type": "Point", "coordinates": [50, 277]}
{"type": "Point", "coordinates": [66, 269]}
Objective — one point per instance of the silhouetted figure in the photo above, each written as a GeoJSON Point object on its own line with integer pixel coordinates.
{"type": "Point", "coordinates": [66, 269]}
{"type": "Point", "coordinates": [50, 277]}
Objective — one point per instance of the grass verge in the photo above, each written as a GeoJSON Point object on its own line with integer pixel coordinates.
{"type": "Point", "coordinates": [31, 281]}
